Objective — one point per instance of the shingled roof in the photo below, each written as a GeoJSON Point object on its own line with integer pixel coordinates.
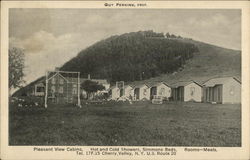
{"type": "Point", "coordinates": [155, 84]}
{"type": "Point", "coordinates": [183, 84]}
{"type": "Point", "coordinates": [129, 85]}
{"type": "Point", "coordinates": [140, 85]}
{"type": "Point", "coordinates": [220, 80]}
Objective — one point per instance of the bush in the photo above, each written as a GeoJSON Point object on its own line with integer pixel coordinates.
{"type": "Point", "coordinates": [24, 101]}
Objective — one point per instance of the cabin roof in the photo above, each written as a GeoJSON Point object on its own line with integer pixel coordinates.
{"type": "Point", "coordinates": [129, 85]}
{"type": "Point", "coordinates": [220, 80]}
{"type": "Point", "coordinates": [183, 84]}
{"type": "Point", "coordinates": [125, 86]}
{"type": "Point", "coordinates": [155, 84]}
{"type": "Point", "coordinates": [140, 85]}
{"type": "Point", "coordinates": [112, 87]}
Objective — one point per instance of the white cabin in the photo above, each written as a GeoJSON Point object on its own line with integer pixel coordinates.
{"type": "Point", "coordinates": [160, 89]}
{"type": "Point", "coordinates": [222, 90]}
{"type": "Point", "coordinates": [187, 91]}
{"type": "Point", "coordinates": [141, 92]}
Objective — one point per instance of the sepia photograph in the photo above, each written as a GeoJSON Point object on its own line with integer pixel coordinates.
{"type": "Point", "coordinates": [164, 77]}
{"type": "Point", "coordinates": [124, 80]}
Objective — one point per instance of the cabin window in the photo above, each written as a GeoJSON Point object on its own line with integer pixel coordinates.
{"type": "Point", "coordinates": [162, 91]}
{"type": "Point", "coordinates": [53, 80]}
{"type": "Point", "coordinates": [53, 89]}
{"type": "Point", "coordinates": [74, 91]}
{"type": "Point", "coordinates": [39, 89]}
{"type": "Point", "coordinates": [61, 81]}
{"type": "Point", "coordinates": [232, 90]}
{"type": "Point", "coordinates": [192, 90]}
{"type": "Point", "coordinates": [61, 89]}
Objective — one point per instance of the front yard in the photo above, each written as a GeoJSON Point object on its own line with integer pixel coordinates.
{"type": "Point", "coordinates": [141, 124]}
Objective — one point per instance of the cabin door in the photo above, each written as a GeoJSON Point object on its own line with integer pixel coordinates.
{"type": "Point", "coordinates": [121, 92]}
{"type": "Point", "coordinates": [218, 93]}
{"type": "Point", "coordinates": [137, 93]}
{"type": "Point", "coordinates": [153, 92]}
{"type": "Point", "coordinates": [180, 93]}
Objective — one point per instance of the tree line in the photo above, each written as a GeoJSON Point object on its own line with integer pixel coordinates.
{"type": "Point", "coordinates": [132, 56]}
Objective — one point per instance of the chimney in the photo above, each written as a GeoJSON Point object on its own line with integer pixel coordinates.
{"type": "Point", "coordinates": [89, 76]}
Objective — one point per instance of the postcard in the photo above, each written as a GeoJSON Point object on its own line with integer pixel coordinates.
{"type": "Point", "coordinates": [125, 79]}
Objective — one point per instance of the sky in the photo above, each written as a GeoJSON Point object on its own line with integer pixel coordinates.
{"type": "Point", "coordinates": [51, 37]}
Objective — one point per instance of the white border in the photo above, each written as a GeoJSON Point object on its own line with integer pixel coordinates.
{"type": "Point", "coordinates": [24, 152]}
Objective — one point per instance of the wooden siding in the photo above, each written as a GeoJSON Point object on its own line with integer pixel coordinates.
{"type": "Point", "coordinates": [61, 91]}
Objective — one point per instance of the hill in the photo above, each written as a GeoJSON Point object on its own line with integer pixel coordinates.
{"type": "Point", "coordinates": [211, 61]}
{"type": "Point", "coordinates": [132, 56]}
{"type": "Point", "coordinates": [140, 57]}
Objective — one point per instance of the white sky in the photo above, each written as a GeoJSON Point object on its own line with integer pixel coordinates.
{"type": "Point", "coordinates": [51, 37]}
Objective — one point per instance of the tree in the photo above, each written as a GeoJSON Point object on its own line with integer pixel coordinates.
{"type": "Point", "coordinates": [167, 35]}
{"type": "Point", "coordinates": [172, 36]}
{"type": "Point", "coordinates": [16, 66]}
{"type": "Point", "coordinates": [91, 87]}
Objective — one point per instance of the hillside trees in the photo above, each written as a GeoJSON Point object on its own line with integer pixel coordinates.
{"type": "Point", "coordinates": [132, 56]}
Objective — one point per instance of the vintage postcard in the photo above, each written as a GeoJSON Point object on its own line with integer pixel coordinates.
{"type": "Point", "coordinates": [125, 80]}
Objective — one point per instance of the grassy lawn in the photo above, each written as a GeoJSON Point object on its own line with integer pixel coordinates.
{"type": "Point", "coordinates": [171, 124]}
